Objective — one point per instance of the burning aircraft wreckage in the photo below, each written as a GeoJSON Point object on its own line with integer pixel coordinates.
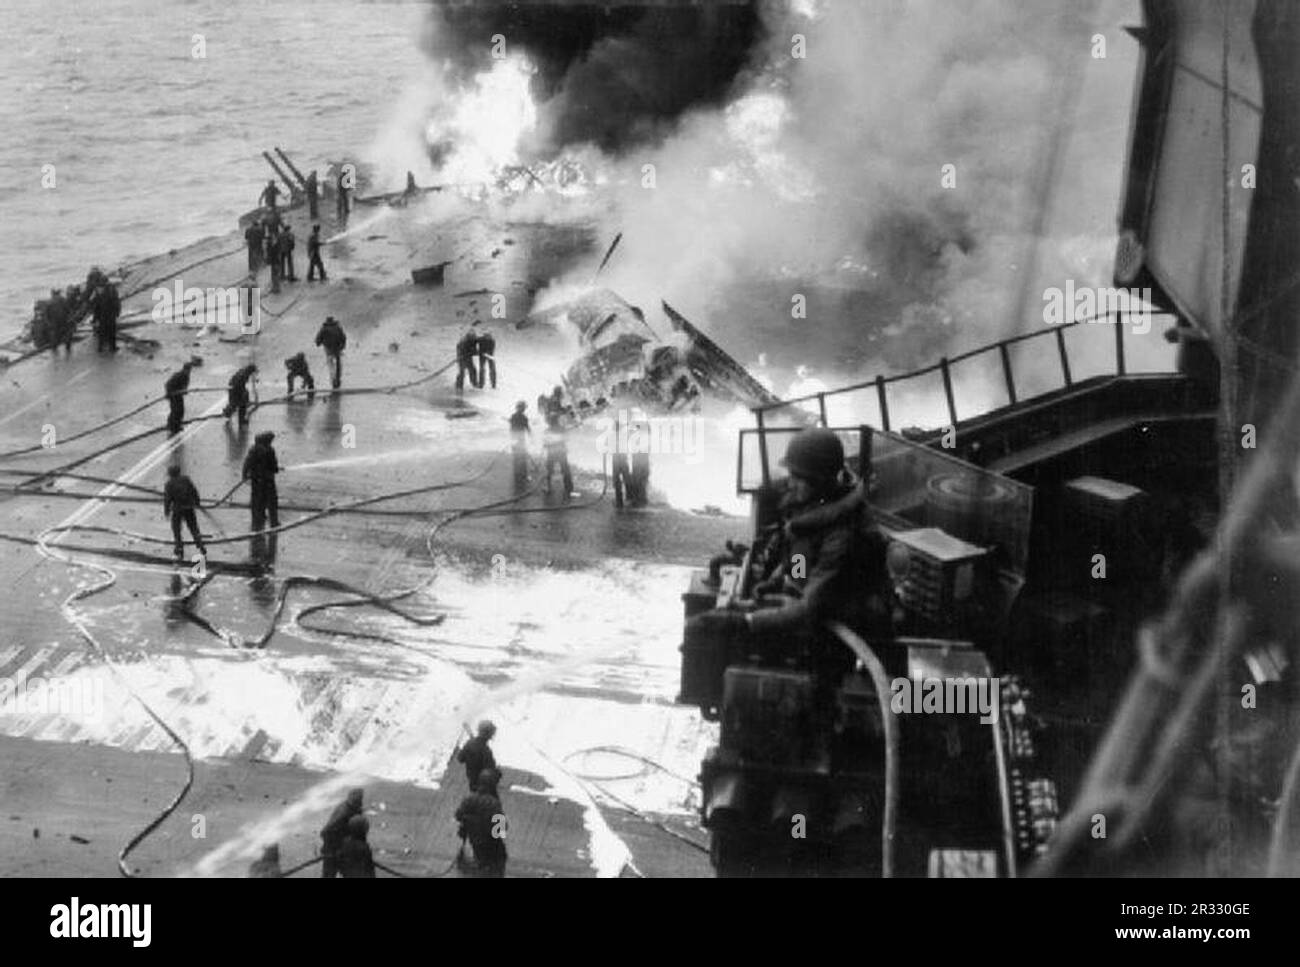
{"type": "Point", "coordinates": [384, 628]}
{"type": "Point", "coordinates": [624, 362]}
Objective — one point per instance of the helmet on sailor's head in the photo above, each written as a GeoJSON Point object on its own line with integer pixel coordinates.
{"type": "Point", "coordinates": [358, 825]}
{"type": "Point", "coordinates": [266, 436]}
{"type": "Point", "coordinates": [815, 454]}
{"type": "Point", "coordinates": [174, 470]}
{"type": "Point", "coordinates": [520, 406]}
{"type": "Point", "coordinates": [487, 728]}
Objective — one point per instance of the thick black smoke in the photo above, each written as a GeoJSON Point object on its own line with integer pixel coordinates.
{"type": "Point", "coordinates": [911, 177]}
{"type": "Point", "coordinates": [611, 74]}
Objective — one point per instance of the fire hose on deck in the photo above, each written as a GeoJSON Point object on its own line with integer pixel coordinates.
{"type": "Point", "coordinates": [881, 683]}
{"type": "Point", "coordinates": [110, 578]}
{"type": "Point", "coordinates": [361, 598]}
{"type": "Point", "coordinates": [287, 398]}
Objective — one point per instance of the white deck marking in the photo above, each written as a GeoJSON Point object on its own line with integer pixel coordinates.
{"type": "Point", "coordinates": [146, 463]}
{"type": "Point", "coordinates": [38, 658]}
{"type": "Point", "coordinates": [45, 396]}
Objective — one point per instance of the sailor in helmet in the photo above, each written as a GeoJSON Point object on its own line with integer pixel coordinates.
{"type": "Point", "coordinates": [824, 561]}
{"type": "Point", "coordinates": [477, 755]}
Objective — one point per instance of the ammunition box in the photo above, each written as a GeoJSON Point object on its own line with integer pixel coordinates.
{"type": "Point", "coordinates": [766, 714]}
{"type": "Point", "coordinates": [942, 575]}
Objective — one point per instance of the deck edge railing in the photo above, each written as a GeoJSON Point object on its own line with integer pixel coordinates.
{"type": "Point", "coordinates": [944, 367]}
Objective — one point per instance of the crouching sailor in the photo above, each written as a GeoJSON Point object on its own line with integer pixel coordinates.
{"type": "Point", "coordinates": [297, 369]}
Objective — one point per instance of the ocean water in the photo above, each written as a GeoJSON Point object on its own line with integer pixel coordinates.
{"type": "Point", "coordinates": [154, 148]}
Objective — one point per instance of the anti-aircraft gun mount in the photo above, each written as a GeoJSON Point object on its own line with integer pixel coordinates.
{"type": "Point", "coordinates": [1024, 558]}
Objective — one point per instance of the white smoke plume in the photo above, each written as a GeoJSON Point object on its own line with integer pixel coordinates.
{"type": "Point", "coordinates": [821, 175]}
{"type": "Point", "coordinates": [824, 178]}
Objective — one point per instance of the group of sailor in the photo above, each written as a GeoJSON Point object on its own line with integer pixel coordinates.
{"type": "Point", "coordinates": [481, 821]}
{"type": "Point", "coordinates": [271, 243]}
{"type": "Point", "coordinates": [181, 497]}
{"type": "Point", "coordinates": [54, 320]}
{"type": "Point", "coordinates": [476, 345]}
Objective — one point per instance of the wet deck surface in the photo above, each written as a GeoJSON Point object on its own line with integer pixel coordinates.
{"type": "Point", "coordinates": [563, 626]}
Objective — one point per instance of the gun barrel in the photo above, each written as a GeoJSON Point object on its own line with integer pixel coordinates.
{"type": "Point", "coordinates": [302, 182]}
{"type": "Point", "coordinates": [283, 177]}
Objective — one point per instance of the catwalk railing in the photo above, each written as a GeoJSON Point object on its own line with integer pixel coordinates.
{"type": "Point", "coordinates": [972, 384]}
